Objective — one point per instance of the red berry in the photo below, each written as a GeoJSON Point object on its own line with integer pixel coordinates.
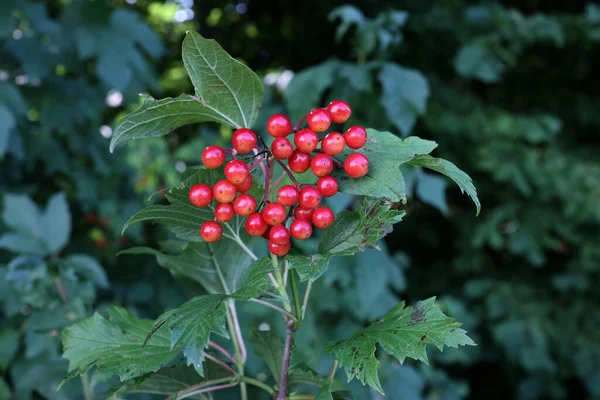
{"type": "Point", "coordinates": [279, 249]}
{"type": "Point", "coordinates": [244, 140]}
{"type": "Point", "coordinates": [287, 195]}
{"type": "Point", "coordinates": [274, 213]}
{"type": "Point", "coordinates": [319, 120]}
{"type": "Point", "coordinates": [224, 191]}
{"type": "Point", "coordinates": [339, 111]}
{"type": "Point", "coordinates": [303, 213]}
{"type": "Point", "coordinates": [256, 225]}
{"type": "Point", "coordinates": [236, 171]}
{"type": "Point", "coordinates": [328, 186]}
{"type": "Point", "coordinates": [299, 162]}
{"type": "Point", "coordinates": [356, 165]}
{"type": "Point", "coordinates": [279, 235]}
{"type": "Point", "coordinates": [224, 212]}
{"type": "Point", "coordinates": [323, 217]}
{"type": "Point", "coordinates": [211, 231]}
{"type": "Point", "coordinates": [321, 165]}
{"type": "Point", "coordinates": [244, 186]}
{"type": "Point", "coordinates": [200, 195]}
{"type": "Point", "coordinates": [333, 144]}
{"type": "Point", "coordinates": [213, 156]}
{"type": "Point", "coordinates": [301, 229]}
{"type": "Point", "coordinates": [306, 140]}
{"type": "Point", "coordinates": [244, 205]}
{"type": "Point", "coordinates": [355, 137]}
{"type": "Point", "coordinates": [282, 148]}
{"type": "Point", "coordinates": [279, 125]}
{"type": "Point", "coordinates": [309, 197]}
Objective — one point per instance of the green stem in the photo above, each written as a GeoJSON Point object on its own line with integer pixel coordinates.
{"type": "Point", "coordinates": [332, 373]}
{"type": "Point", "coordinates": [238, 345]}
{"type": "Point", "coordinates": [297, 306]}
{"type": "Point", "coordinates": [87, 390]}
{"type": "Point", "coordinates": [257, 383]}
{"type": "Point", "coordinates": [191, 389]}
{"type": "Point", "coordinates": [306, 296]}
{"type": "Point", "coordinates": [274, 307]}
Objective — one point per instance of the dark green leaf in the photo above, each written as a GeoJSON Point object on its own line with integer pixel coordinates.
{"type": "Point", "coordinates": [477, 60]}
{"type": "Point", "coordinates": [300, 374]}
{"type": "Point", "coordinates": [305, 90]}
{"type": "Point", "coordinates": [270, 348]}
{"type": "Point", "coordinates": [87, 267]}
{"type": "Point", "coordinates": [10, 345]}
{"type": "Point", "coordinates": [23, 243]}
{"type": "Point", "coordinates": [309, 267]}
{"type": "Point", "coordinates": [55, 223]}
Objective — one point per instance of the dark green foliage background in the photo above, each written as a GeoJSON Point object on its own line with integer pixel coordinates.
{"type": "Point", "coordinates": [511, 94]}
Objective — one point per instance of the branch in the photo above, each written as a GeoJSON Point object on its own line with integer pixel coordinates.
{"type": "Point", "coordinates": [208, 386]}
{"type": "Point", "coordinates": [221, 363]}
{"type": "Point", "coordinates": [288, 172]}
{"type": "Point", "coordinates": [221, 350]}
{"type": "Point", "coordinates": [285, 363]}
{"type": "Point", "coordinates": [274, 307]}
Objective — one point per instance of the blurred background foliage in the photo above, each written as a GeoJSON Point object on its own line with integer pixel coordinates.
{"type": "Point", "coordinates": [508, 90]}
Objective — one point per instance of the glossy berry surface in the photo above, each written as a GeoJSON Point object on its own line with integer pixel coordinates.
{"type": "Point", "coordinates": [339, 111]}
{"type": "Point", "coordinates": [333, 144]}
{"type": "Point", "coordinates": [244, 186]}
{"type": "Point", "coordinates": [287, 195]}
{"type": "Point", "coordinates": [355, 137]}
{"type": "Point", "coordinates": [301, 229]}
{"type": "Point", "coordinates": [243, 140]}
{"type": "Point", "coordinates": [319, 120]}
{"type": "Point", "coordinates": [356, 165]}
{"type": "Point", "coordinates": [309, 197]}
{"type": "Point", "coordinates": [303, 213]}
{"type": "Point", "coordinates": [323, 217]}
{"type": "Point", "coordinates": [224, 191]}
{"type": "Point", "coordinates": [236, 171]}
{"type": "Point", "coordinates": [200, 195]}
{"type": "Point", "coordinates": [306, 140]}
{"type": "Point", "coordinates": [211, 231]}
{"type": "Point", "coordinates": [213, 156]}
{"type": "Point", "coordinates": [244, 205]}
{"type": "Point", "coordinates": [224, 212]}
{"type": "Point", "coordinates": [282, 148]}
{"type": "Point", "coordinates": [274, 213]}
{"type": "Point", "coordinates": [279, 235]}
{"type": "Point", "coordinates": [299, 162]}
{"type": "Point", "coordinates": [279, 249]}
{"type": "Point", "coordinates": [321, 165]}
{"type": "Point", "coordinates": [256, 225]}
{"type": "Point", "coordinates": [328, 186]}
{"type": "Point", "coordinates": [279, 125]}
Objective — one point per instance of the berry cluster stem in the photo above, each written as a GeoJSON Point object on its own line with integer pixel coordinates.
{"type": "Point", "coordinates": [288, 172]}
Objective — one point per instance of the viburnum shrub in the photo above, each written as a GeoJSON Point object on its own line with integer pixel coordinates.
{"type": "Point", "coordinates": [217, 213]}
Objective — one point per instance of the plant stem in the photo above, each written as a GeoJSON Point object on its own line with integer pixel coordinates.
{"type": "Point", "coordinates": [274, 307]}
{"type": "Point", "coordinates": [221, 363]}
{"type": "Point", "coordinates": [257, 383]}
{"type": "Point", "coordinates": [285, 363]}
{"type": "Point", "coordinates": [203, 387]}
{"type": "Point", "coordinates": [299, 123]}
{"type": "Point", "coordinates": [333, 369]}
{"type": "Point", "coordinates": [288, 172]}
{"type": "Point", "coordinates": [302, 397]}
{"type": "Point", "coordinates": [268, 177]}
{"type": "Point", "coordinates": [306, 295]}
{"type": "Point", "coordinates": [295, 296]}
{"type": "Point", "coordinates": [87, 390]}
{"type": "Point", "coordinates": [286, 271]}
{"type": "Point", "coordinates": [261, 165]}
{"type": "Point", "coordinates": [238, 344]}
{"type": "Point", "coordinates": [221, 350]}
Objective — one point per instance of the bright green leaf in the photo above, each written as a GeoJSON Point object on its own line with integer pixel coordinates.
{"type": "Point", "coordinates": [310, 266]}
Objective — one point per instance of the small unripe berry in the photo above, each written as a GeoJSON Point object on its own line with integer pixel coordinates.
{"type": "Point", "coordinates": [244, 205]}
{"type": "Point", "coordinates": [323, 217]}
{"type": "Point", "coordinates": [328, 186]}
{"type": "Point", "coordinates": [301, 229]}
{"type": "Point", "coordinates": [287, 195]}
{"type": "Point", "coordinates": [333, 144]}
{"type": "Point", "coordinates": [236, 171]}
{"type": "Point", "coordinates": [279, 125]}
{"type": "Point", "coordinates": [356, 165]}
{"type": "Point", "coordinates": [282, 148]}
{"type": "Point", "coordinates": [279, 249]}
{"type": "Point", "coordinates": [355, 137]}
{"type": "Point", "coordinates": [274, 214]}
{"type": "Point", "coordinates": [279, 235]}
{"type": "Point", "coordinates": [244, 186]}
{"type": "Point", "coordinates": [306, 140]}
{"type": "Point", "coordinates": [224, 191]}
{"type": "Point", "coordinates": [339, 111]}
{"type": "Point", "coordinates": [319, 120]}
{"type": "Point", "coordinates": [321, 165]}
{"type": "Point", "coordinates": [200, 195]}
{"type": "Point", "coordinates": [309, 197]}
{"type": "Point", "coordinates": [224, 212]}
{"type": "Point", "coordinates": [299, 162]}
{"type": "Point", "coordinates": [243, 140]}
{"type": "Point", "coordinates": [256, 225]}
{"type": "Point", "coordinates": [213, 156]}
{"type": "Point", "coordinates": [211, 231]}
{"type": "Point", "coordinates": [303, 213]}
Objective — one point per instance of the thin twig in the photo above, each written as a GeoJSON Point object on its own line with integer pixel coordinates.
{"type": "Point", "coordinates": [278, 181]}
{"type": "Point", "coordinates": [274, 307]}
{"type": "Point", "coordinates": [306, 295]}
{"type": "Point", "coordinates": [333, 369]}
{"type": "Point", "coordinates": [203, 390]}
{"type": "Point", "coordinates": [221, 350]}
{"type": "Point", "coordinates": [285, 362]}
{"type": "Point", "coordinates": [297, 307]}
{"type": "Point", "coordinates": [299, 123]}
{"type": "Point", "coordinates": [238, 332]}
{"type": "Point", "coordinates": [211, 385]}
{"type": "Point", "coordinates": [288, 172]}
{"type": "Point", "coordinates": [268, 177]}
{"type": "Point", "coordinates": [221, 363]}
{"type": "Point", "coordinates": [255, 150]}
{"type": "Point", "coordinates": [286, 270]}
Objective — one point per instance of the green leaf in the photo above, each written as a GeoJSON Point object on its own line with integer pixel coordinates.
{"type": "Point", "coordinates": [160, 117]}
{"type": "Point", "coordinates": [21, 214]}
{"type": "Point", "coordinates": [325, 392]}
{"type": "Point", "coordinates": [386, 152]}
{"type": "Point", "coordinates": [4, 390]}
{"type": "Point", "coordinates": [23, 243]}
{"type": "Point", "coordinates": [56, 223]}
{"type": "Point", "coordinates": [477, 60]}
{"type": "Point", "coordinates": [404, 97]}
{"type": "Point", "coordinates": [432, 190]}
{"type": "Point", "coordinates": [464, 182]}
{"type": "Point", "coordinates": [304, 91]}
{"type": "Point", "coordinates": [10, 345]}
{"type": "Point", "coordinates": [301, 374]}
{"type": "Point", "coordinates": [402, 332]}
{"type": "Point", "coordinates": [225, 86]}
{"type": "Point", "coordinates": [116, 345]}
{"type": "Point", "coordinates": [190, 326]}
{"type": "Point", "coordinates": [256, 281]}
{"type": "Point", "coordinates": [7, 123]}
{"type": "Point", "coordinates": [87, 267]}
{"type": "Point", "coordinates": [270, 349]}
{"type": "Point", "coordinates": [309, 267]}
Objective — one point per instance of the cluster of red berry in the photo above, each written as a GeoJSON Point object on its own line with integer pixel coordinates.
{"type": "Point", "coordinates": [269, 218]}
